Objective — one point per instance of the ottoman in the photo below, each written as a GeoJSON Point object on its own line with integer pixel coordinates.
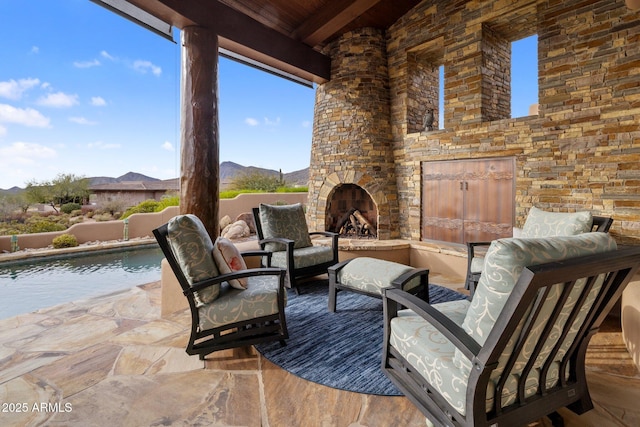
{"type": "Point", "coordinates": [369, 276]}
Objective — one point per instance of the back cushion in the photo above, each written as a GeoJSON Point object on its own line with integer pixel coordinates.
{"type": "Point", "coordinates": [505, 260]}
{"type": "Point", "coordinates": [192, 246]}
{"type": "Point", "coordinates": [287, 221]}
{"type": "Point", "coordinates": [540, 223]}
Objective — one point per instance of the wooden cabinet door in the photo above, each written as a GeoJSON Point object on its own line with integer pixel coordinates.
{"type": "Point", "coordinates": [442, 201]}
{"type": "Point", "coordinates": [489, 199]}
{"type": "Point", "coordinates": [468, 200]}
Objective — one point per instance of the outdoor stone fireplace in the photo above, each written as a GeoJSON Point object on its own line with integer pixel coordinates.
{"type": "Point", "coordinates": [351, 212]}
{"type": "Point", "coordinates": [352, 150]}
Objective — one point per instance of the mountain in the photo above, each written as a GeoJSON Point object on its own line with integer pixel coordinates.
{"type": "Point", "coordinates": [228, 170]}
{"type": "Point", "coordinates": [129, 176]}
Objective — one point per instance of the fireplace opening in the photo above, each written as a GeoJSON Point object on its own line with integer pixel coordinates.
{"type": "Point", "coordinates": [352, 213]}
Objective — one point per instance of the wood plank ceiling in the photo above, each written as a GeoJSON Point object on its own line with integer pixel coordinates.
{"type": "Point", "coordinates": [284, 34]}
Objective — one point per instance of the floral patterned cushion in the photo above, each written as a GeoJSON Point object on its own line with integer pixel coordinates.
{"type": "Point", "coordinates": [228, 259]}
{"type": "Point", "coordinates": [505, 260]}
{"type": "Point", "coordinates": [371, 274]}
{"type": "Point", "coordinates": [234, 305]}
{"type": "Point", "coordinates": [303, 257]}
{"type": "Point", "coordinates": [192, 247]}
{"type": "Point", "coordinates": [287, 221]}
{"type": "Point", "coordinates": [546, 224]}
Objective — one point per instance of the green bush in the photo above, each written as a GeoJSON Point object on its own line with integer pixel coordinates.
{"type": "Point", "coordinates": [65, 241]}
{"type": "Point", "coordinates": [70, 207]}
{"type": "Point", "coordinates": [42, 225]}
{"type": "Point", "coordinates": [147, 206]}
{"type": "Point", "coordinates": [167, 201]}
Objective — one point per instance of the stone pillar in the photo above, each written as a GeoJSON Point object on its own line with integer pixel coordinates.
{"type": "Point", "coordinates": [199, 141]}
{"type": "Point", "coordinates": [352, 141]}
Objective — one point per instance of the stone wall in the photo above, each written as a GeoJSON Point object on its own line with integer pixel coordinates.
{"type": "Point", "coordinates": [580, 152]}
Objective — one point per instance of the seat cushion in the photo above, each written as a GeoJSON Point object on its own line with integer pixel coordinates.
{"type": "Point", "coordinates": [193, 249]}
{"type": "Point", "coordinates": [286, 221]}
{"type": "Point", "coordinates": [235, 305]}
{"type": "Point", "coordinates": [303, 257]}
{"type": "Point", "coordinates": [505, 260]}
{"type": "Point", "coordinates": [372, 275]}
{"type": "Point", "coordinates": [540, 223]}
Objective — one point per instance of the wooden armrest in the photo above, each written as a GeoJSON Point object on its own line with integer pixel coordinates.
{"type": "Point", "coordinates": [250, 272]}
{"type": "Point", "coordinates": [275, 240]}
{"type": "Point", "coordinates": [400, 281]}
{"type": "Point", "coordinates": [471, 248]}
{"type": "Point", "coordinates": [458, 336]}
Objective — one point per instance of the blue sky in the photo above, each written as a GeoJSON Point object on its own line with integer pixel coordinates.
{"type": "Point", "coordinates": [87, 92]}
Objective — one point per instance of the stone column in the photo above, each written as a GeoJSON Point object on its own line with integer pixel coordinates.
{"type": "Point", "coordinates": [352, 141]}
{"type": "Point", "coordinates": [199, 141]}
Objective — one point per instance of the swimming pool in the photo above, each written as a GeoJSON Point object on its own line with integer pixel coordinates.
{"type": "Point", "coordinates": [31, 285]}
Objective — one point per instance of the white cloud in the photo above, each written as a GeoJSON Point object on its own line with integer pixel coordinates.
{"type": "Point", "coordinates": [87, 64]}
{"type": "Point", "coordinates": [98, 101]}
{"type": "Point", "coordinates": [167, 146]}
{"type": "Point", "coordinates": [269, 122]}
{"type": "Point", "coordinates": [3, 131]}
{"type": "Point", "coordinates": [106, 55]}
{"type": "Point", "coordinates": [22, 116]}
{"type": "Point", "coordinates": [251, 121]}
{"type": "Point", "coordinates": [58, 100]}
{"type": "Point", "coordinates": [13, 89]}
{"type": "Point", "coordinates": [306, 124]}
{"type": "Point", "coordinates": [35, 49]}
{"type": "Point", "coordinates": [99, 145]}
{"type": "Point", "coordinates": [25, 153]}
{"type": "Point", "coordinates": [145, 66]}
{"type": "Point", "coordinates": [81, 121]}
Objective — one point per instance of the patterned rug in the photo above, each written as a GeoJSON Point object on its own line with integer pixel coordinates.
{"type": "Point", "coordinates": [342, 350]}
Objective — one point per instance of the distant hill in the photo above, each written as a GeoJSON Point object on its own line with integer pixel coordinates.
{"type": "Point", "coordinates": [228, 170]}
{"type": "Point", "coordinates": [129, 176]}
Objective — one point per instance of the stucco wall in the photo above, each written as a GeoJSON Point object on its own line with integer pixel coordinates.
{"type": "Point", "coordinates": [141, 225]}
{"type": "Point", "coordinates": [580, 152]}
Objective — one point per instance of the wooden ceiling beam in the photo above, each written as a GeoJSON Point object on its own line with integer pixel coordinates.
{"type": "Point", "coordinates": [331, 18]}
{"type": "Point", "coordinates": [258, 41]}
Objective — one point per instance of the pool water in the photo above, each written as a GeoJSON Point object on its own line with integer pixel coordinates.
{"type": "Point", "coordinates": [28, 286]}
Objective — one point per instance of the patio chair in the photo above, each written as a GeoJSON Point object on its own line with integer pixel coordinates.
{"type": "Point", "coordinates": [283, 232]}
{"type": "Point", "coordinates": [516, 351]}
{"type": "Point", "coordinates": [231, 306]}
{"type": "Point", "coordinates": [538, 224]}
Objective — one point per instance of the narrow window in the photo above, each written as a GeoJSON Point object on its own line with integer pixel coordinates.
{"type": "Point", "coordinates": [524, 77]}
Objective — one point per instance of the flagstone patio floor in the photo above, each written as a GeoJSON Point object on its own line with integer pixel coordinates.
{"type": "Point", "coordinates": [112, 361]}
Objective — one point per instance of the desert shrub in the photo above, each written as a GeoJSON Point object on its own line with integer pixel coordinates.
{"type": "Point", "coordinates": [103, 217]}
{"type": "Point", "coordinates": [143, 207]}
{"type": "Point", "coordinates": [88, 211]}
{"type": "Point", "coordinates": [43, 225]}
{"type": "Point", "coordinates": [65, 241]}
{"type": "Point", "coordinates": [166, 201]}
{"type": "Point", "coordinates": [70, 207]}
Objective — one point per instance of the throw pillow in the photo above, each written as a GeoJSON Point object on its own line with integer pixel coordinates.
{"type": "Point", "coordinates": [287, 221]}
{"type": "Point", "coordinates": [192, 247]}
{"type": "Point", "coordinates": [540, 223]}
{"type": "Point", "coordinates": [228, 259]}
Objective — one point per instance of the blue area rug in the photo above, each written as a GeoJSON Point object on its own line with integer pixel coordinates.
{"type": "Point", "coordinates": [342, 350]}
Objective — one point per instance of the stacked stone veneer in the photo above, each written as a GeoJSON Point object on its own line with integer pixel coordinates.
{"type": "Point", "coordinates": [580, 152]}
{"type": "Point", "coordinates": [352, 142]}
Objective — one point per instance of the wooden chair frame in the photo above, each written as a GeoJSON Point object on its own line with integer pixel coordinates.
{"type": "Point", "coordinates": [272, 327]}
{"type": "Point", "coordinates": [521, 308]}
{"type": "Point", "coordinates": [600, 224]}
{"type": "Point", "coordinates": [293, 272]}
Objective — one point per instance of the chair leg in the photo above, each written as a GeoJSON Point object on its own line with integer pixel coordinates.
{"type": "Point", "coordinates": [556, 419]}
